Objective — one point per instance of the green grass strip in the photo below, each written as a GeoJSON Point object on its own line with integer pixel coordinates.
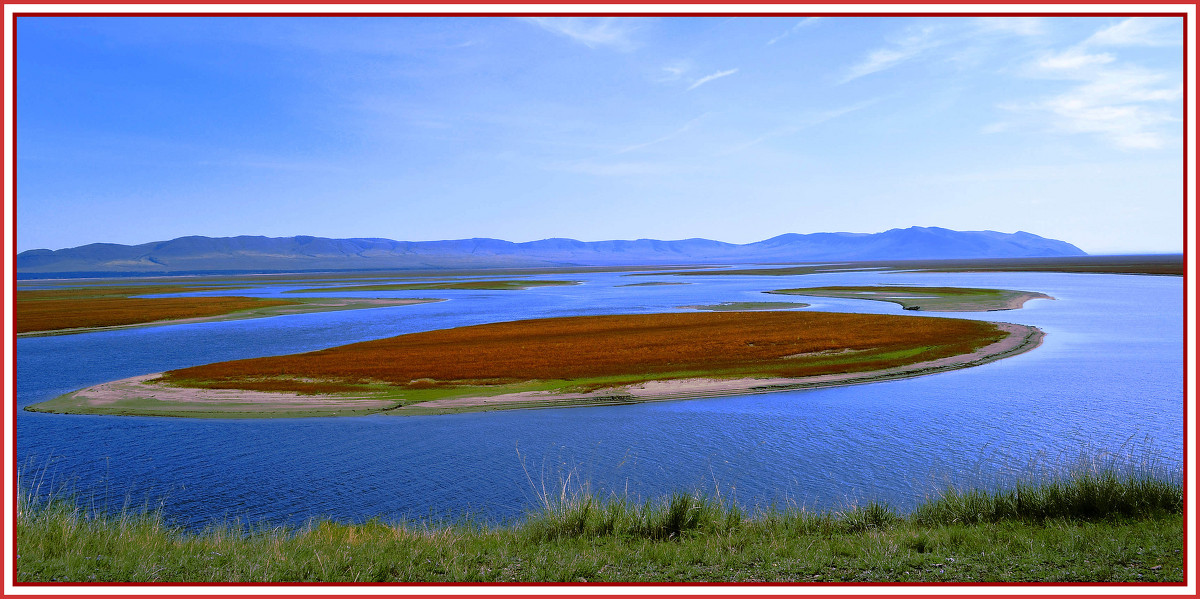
{"type": "Point", "coordinates": [1087, 527]}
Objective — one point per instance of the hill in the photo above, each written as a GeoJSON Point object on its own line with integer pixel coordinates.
{"type": "Point", "coordinates": [257, 253]}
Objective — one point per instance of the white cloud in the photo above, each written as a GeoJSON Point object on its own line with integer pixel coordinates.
{"type": "Point", "coordinates": [1072, 59]}
{"type": "Point", "coordinates": [673, 71]}
{"type": "Point", "coordinates": [916, 42]}
{"type": "Point", "coordinates": [707, 78]}
{"type": "Point", "coordinates": [593, 32]}
{"type": "Point", "coordinates": [1126, 126]}
{"type": "Point", "coordinates": [802, 23]}
{"type": "Point", "coordinates": [1140, 31]}
{"type": "Point", "coordinates": [1128, 106]}
{"type": "Point", "coordinates": [1120, 105]}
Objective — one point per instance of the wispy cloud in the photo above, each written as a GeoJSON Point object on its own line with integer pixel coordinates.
{"type": "Point", "coordinates": [614, 169]}
{"type": "Point", "coordinates": [673, 71]}
{"type": "Point", "coordinates": [811, 120]}
{"type": "Point", "coordinates": [593, 32]}
{"type": "Point", "coordinates": [1025, 26]}
{"type": "Point", "coordinates": [1123, 106]}
{"type": "Point", "coordinates": [1071, 60]}
{"type": "Point", "coordinates": [1129, 106]}
{"type": "Point", "coordinates": [672, 135]}
{"type": "Point", "coordinates": [802, 23]}
{"type": "Point", "coordinates": [707, 78]}
{"type": "Point", "coordinates": [1139, 31]}
{"type": "Point", "coordinates": [914, 43]}
{"type": "Point", "coordinates": [967, 43]}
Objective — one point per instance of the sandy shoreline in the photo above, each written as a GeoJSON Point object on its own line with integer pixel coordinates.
{"type": "Point", "coordinates": [141, 386]}
{"type": "Point", "coordinates": [1013, 303]}
{"type": "Point", "coordinates": [140, 396]}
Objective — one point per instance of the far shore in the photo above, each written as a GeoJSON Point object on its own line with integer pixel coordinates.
{"type": "Point", "coordinates": [141, 395]}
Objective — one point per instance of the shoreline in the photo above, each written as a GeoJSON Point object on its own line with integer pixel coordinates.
{"type": "Point", "coordinates": [138, 396]}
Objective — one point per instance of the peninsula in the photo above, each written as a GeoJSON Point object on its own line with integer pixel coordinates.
{"type": "Point", "coordinates": [932, 299]}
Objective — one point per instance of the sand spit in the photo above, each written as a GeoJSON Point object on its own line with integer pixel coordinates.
{"type": "Point", "coordinates": [1016, 302]}
{"type": "Point", "coordinates": [1021, 339]}
{"type": "Point", "coordinates": [159, 399]}
{"type": "Point", "coordinates": [928, 299]}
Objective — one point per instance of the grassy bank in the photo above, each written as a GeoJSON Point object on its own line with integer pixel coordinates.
{"type": "Point", "coordinates": [1090, 526]}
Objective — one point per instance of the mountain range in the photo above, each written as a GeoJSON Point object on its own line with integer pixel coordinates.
{"type": "Point", "coordinates": [256, 253]}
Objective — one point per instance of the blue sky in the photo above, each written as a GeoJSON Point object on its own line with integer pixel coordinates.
{"type": "Point", "coordinates": [132, 130]}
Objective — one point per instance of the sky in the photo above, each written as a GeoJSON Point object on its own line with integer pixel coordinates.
{"type": "Point", "coordinates": [738, 129]}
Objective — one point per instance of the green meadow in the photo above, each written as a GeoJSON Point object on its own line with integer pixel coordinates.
{"type": "Point", "coordinates": [1087, 526]}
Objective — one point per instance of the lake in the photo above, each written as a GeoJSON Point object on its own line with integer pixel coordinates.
{"type": "Point", "coordinates": [1106, 384]}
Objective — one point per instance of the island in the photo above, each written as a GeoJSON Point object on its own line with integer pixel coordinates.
{"type": "Point", "coordinates": [933, 299]}
{"type": "Point", "coordinates": [565, 361]}
{"type": "Point", "coordinates": [64, 311]}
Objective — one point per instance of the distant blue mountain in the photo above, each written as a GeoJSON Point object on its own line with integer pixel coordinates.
{"type": "Point", "coordinates": [246, 253]}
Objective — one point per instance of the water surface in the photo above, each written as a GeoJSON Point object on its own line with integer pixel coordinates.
{"type": "Point", "coordinates": [1107, 381]}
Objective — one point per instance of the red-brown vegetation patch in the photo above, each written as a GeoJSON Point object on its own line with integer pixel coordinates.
{"type": "Point", "coordinates": [85, 312]}
{"type": "Point", "coordinates": [96, 291]}
{"type": "Point", "coordinates": [627, 347]}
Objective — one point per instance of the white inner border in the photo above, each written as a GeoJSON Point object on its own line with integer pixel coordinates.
{"type": "Point", "coordinates": [7, 563]}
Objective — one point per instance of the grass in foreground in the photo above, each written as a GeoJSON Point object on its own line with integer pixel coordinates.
{"type": "Point", "coordinates": [1090, 527]}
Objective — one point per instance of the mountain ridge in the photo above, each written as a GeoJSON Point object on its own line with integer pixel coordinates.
{"type": "Point", "coordinates": [257, 252]}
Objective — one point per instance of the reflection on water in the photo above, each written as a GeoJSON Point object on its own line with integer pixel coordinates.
{"type": "Point", "coordinates": [1108, 380]}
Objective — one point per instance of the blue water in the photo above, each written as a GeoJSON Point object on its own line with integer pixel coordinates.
{"type": "Point", "coordinates": [1107, 382]}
